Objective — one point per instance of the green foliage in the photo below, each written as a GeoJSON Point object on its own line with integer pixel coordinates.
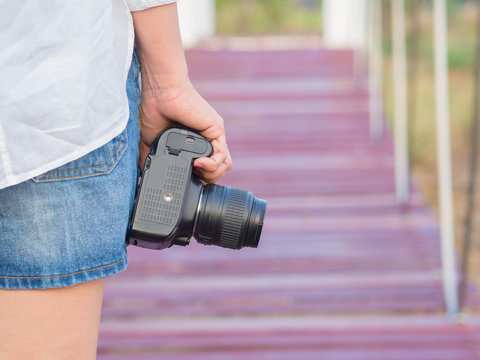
{"type": "Point", "coordinates": [461, 40]}
{"type": "Point", "coordinates": [253, 17]}
{"type": "Point", "coordinates": [461, 33]}
{"type": "Point", "coordinates": [460, 57]}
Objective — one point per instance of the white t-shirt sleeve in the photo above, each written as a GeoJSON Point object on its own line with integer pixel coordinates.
{"type": "Point", "coordinates": [137, 5]}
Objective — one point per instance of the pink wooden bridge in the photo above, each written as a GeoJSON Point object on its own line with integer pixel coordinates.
{"type": "Point", "coordinates": [342, 272]}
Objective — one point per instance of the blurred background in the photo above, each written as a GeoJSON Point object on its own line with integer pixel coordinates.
{"type": "Point", "coordinates": [334, 115]}
{"type": "Point", "coordinates": [265, 23]}
{"type": "Point", "coordinates": [276, 24]}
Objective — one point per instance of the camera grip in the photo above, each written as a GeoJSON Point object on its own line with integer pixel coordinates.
{"type": "Point", "coordinates": [163, 187]}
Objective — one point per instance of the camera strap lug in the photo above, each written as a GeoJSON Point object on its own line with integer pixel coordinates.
{"type": "Point", "coordinates": [173, 151]}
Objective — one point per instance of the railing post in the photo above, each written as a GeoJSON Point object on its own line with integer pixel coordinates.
{"type": "Point", "coordinates": [375, 71]}
{"type": "Point", "coordinates": [361, 33]}
{"type": "Point", "coordinates": [444, 159]}
{"type": "Point", "coordinates": [400, 101]}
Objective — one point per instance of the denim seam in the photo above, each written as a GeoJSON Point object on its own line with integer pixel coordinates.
{"type": "Point", "coordinates": [57, 276]}
{"type": "Point", "coordinates": [93, 166]}
{"type": "Point", "coordinates": [86, 167]}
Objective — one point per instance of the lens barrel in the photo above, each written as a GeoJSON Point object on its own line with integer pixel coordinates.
{"type": "Point", "coordinates": [229, 217]}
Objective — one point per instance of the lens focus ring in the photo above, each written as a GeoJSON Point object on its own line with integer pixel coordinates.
{"type": "Point", "coordinates": [235, 205]}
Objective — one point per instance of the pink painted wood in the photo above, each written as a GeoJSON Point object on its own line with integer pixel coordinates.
{"type": "Point", "coordinates": [342, 272]}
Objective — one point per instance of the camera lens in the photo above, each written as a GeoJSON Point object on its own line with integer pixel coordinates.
{"type": "Point", "coordinates": [229, 217]}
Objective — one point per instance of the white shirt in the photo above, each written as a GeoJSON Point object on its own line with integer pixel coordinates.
{"type": "Point", "coordinates": [63, 70]}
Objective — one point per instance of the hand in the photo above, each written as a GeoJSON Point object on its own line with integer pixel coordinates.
{"type": "Point", "coordinates": [168, 98]}
{"type": "Point", "coordinates": [183, 105]}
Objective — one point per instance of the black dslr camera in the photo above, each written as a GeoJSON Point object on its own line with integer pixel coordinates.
{"type": "Point", "coordinates": [172, 204]}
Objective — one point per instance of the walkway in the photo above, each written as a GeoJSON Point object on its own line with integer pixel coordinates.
{"type": "Point", "coordinates": [342, 272]}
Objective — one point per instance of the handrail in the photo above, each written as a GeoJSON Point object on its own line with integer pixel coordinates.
{"type": "Point", "coordinates": [449, 271]}
{"type": "Point", "coordinates": [375, 72]}
{"type": "Point", "coordinates": [402, 176]}
{"type": "Point", "coordinates": [473, 169]}
{"type": "Point", "coordinates": [444, 159]}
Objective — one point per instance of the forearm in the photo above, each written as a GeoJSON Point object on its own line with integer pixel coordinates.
{"type": "Point", "coordinates": [168, 97]}
{"type": "Point", "coordinates": [157, 38]}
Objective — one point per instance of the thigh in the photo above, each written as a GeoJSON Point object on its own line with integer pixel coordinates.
{"type": "Point", "coordinates": [52, 324]}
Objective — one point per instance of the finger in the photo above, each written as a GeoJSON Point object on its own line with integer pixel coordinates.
{"type": "Point", "coordinates": [144, 151]}
{"type": "Point", "coordinates": [211, 177]}
{"type": "Point", "coordinates": [220, 155]}
{"type": "Point", "coordinates": [212, 163]}
{"type": "Point", "coordinates": [207, 165]}
{"type": "Point", "coordinates": [215, 134]}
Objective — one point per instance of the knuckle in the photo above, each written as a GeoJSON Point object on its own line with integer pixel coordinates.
{"type": "Point", "coordinates": [221, 122]}
{"type": "Point", "coordinates": [216, 130]}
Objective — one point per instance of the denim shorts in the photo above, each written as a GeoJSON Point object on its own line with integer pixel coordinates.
{"type": "Point", "coordinates": [68, 225]}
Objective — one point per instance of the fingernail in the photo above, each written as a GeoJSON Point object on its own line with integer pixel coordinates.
{"type": "Point", "coordinates": [199, 166]}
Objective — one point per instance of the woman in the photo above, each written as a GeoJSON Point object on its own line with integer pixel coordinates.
{"type": "Point", "coordinates": [69, 146]}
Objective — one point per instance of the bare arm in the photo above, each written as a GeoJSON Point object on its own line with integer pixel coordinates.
{"type": "Point", "coordinates": [168, 97]}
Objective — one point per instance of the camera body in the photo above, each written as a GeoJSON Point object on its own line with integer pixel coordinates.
{"type": "Point", "coordinates": [168, 196]}
{"type": "Point", "coordinates": [172, 204]}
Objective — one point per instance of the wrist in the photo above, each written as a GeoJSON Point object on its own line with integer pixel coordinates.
{"type": "Point", "coordinates": [161, 88]}
{"type": "Point", "coordinates": [160, 82]}
{"type": "Point", "coordinates": [167, 99]}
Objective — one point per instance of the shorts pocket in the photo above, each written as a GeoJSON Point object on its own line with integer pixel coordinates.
{"type": "Point", "coordinates": [100, 161]}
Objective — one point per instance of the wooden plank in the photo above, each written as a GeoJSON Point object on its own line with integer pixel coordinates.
{"type": "Point", "coordinates": [342, 271]}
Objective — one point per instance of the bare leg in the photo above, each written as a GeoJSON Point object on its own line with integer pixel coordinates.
{"type": "Point", "coordinates": [53, 324]}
